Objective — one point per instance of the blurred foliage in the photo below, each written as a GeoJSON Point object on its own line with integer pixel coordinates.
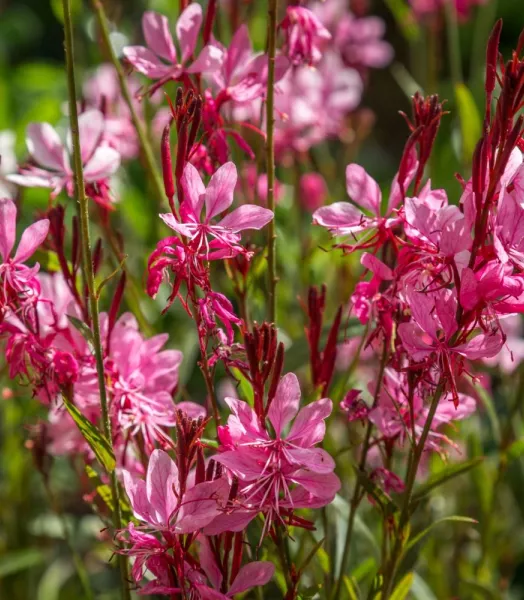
{"type": "Point", "coordinates": [456, 559]}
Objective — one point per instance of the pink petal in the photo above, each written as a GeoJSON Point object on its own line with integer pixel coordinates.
{"type": "Point", "coordinates": [192, 409]}
{"type": "Point", "coordinates": [209, 563]}
{"type": "Point", "coordinates": [157, 35]}
{"type": "Point", "coordinates": [187, 29]}
{"type": "Point", "coordinates": [244, 420]}
{"type": "Point", "coordinates": [219, 193]}
{"type": "Point", "coordinates": [31, 180]}
{"type": "Point", "coordinates": [339, 215]}
{"type": "Point", "coordinates": [235, 521]}
{"type": "Point", "coordinates": [316, 460]}
{"type": "Point", "coordinates": [376, 266]}
{"type": "Point", "coordinates": [206, 593]}
{"type": "Point", "coordinates": [309, 428]}
{"type": "Point", "coordinates": [201, 504]}
{"type": "Point", "coordinates": [285, 403]}
{"type": "Point", "coordinates": [161, 481]}
{"type": "Point", "coordinates": [208, 61]}
{"type": "Point", "coordinates": [45, 146]}
{"type": "Point", "coordinates": [194, 189]}
{"type": "Point", "coordinates": [247, 216]}
{"type": "Point", "coordinates": [104, 162]}
{"type": "Point", "coordinates": [7, 227]}
{"type": "Point", "coordinates": [412, 337]}
{"type": "Point", "coordinates": [136, 492]}
{"type": "Point", "coordinates": [238, 52]}
{"type": "Point", "coordinates": [32, 237]}
{"type": "Point", "coordinates": [145, 61]}
{"type": "Point", "coordinates": [91, 126]}
{"type": "Point", "coordinates": [481, 346]}
{"type": "Point", "coordinates": [171, 222]}
{"type": "Point", "coordinates": [363, 189]}
{"type": "Point", "coordinates": [320, 485]}
{"type": "Point", "coordinates": [252, 575]}
{"type": "Point", "coordinates": [247, 464]}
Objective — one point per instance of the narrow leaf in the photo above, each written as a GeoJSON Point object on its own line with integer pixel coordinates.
{"type": "Point", "coordinates": [385, 503]}
{"type": "Point", "coordinates": [515, 450]}
{"type": "Point", "coordinates": [470, 123]}
{"type": "Point", "coordinates": [414, 541]}
{"type": "Point", "coordinates": [402, 590]}
{"type": "Point", "coordinates": [97, 442]}
{"type": "Point", "coordinates": [84, 330]}
{"type": "Point", "coordinates": [450, 472]}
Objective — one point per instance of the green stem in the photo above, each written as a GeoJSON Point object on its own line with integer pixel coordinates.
{"type": "Point", "coordinates": [147, 151]}
{"type": "Point", "coordinates": [453, 42]}
{"type": "Point", "coordinates": [357, 495]}
{"type": "Point", "coordinates": [405, 514]}
{"type": "Point", "coordinates": [270, 158]}
{"type": "Point", "coordinates": [83, 212]}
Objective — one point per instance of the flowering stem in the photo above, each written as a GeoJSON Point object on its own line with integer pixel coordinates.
{"type": "Point", "coordinates": [357, 496]}
{"type": "Point", "coordinates": [83, 212]}
{"type": "Point", "coordinates": [270, 158]}
{"type": "Point", "coordinates": [147, 151]}
{"type": "Point", "coordinates": [405, 513]}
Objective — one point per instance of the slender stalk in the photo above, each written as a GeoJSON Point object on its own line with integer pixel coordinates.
{"type": "Point", "coordinates": [453, 42]}
{"type": "Point", "coordinates": [405, 513]}
{"type": "Point", "coordinates": [83, 212]}
{"type": "Point", "coordinates": [147, 151]}
{"type": "Point", "coordinates": [270, 158]}
{"type": "Point", "coordinates": [357, 496]}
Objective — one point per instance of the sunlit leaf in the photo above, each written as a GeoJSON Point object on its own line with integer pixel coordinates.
{"type": "Point", "coordinates": [97, 442]}
{"type": "Point", "coordinates": [457, 518]}
{"type": "Point", "coordinates": [402, 590]}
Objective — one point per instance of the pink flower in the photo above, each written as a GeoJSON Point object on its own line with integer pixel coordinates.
{"type": "Point", "coordinates": [342, 218]}
{"type": "Point", "coordinates": [392, 415]}
{"type": "Point", "coordinates": [161, 47]}
{"type": "Point", "coordinates": [303, 32]}
{"type": "Point", "coordinates": [216, 199]}
{"type": "Point", "coordinates": [284, 472]}
{"type": "Point", "coordinates": [53, 169]}
{"type": "Point", "coordinates": [251, 575]}
{"type": "Point", "coordinates": [15, 277]}
{"type": "Point", "coordinates": [313, 103]}
{"type": "Point", "coordinates": [313, 191]}
{"type": "Point", "coordinates": [242, 76]}
{"type": "Point", "coordinates": [102, 91]}
{"type": "Point", "coordinates": [157, 501]}
{"type": "Point", "coordinates": [432, 331]}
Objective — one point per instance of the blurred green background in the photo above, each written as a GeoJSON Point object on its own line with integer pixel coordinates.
{"type": "Point", "coordinates": [35, 561]}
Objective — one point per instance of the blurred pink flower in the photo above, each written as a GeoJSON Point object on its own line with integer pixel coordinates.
{"type": "Point", "coordinates": [53, 169]}
{"type": "Point", "coordinates": [161, 47]}
{"type": "Point", "coordinates": [303, 32]}
{"type": "Point", "coordinates": [313, 191]}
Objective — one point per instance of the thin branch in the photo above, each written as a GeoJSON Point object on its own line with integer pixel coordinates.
{"type": "Point", "coordinates": [83, 212]}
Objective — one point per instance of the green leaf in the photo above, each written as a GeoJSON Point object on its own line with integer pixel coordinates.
{"type": "Point", "coordinates": [491, 411]}
{"type": "Point", "coordinates": [481, 589]}
{"type": "Point", "coordinates": [470, 122]}
{"type": "Point", "coordinates": [245, 387]}
{"type": "Point", "coordinates": [85, 331]}
{"type": "Point", "coordinates": [449, 472]}
{"type": "Point", "coordinates": [350, 588]}
{"type": "Point", "coordinates": [97, 442]}
{"type": "Point", "coordinates": [515, 450]}
{"type": "Point", "coordinates": [404, 18]}
{"type": "Point", "coordinates": [14, 562]}
{"type": "Point", "coordinates": [365, 568]}
{"type": "Point", "coordinates": [47, 260]}
{"type": "Point", "coordinates": [402, 590]}
{"type": "Point", "coordinates": [316, 548]}
{"type": "Point", "coordinates": [457, 518]}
